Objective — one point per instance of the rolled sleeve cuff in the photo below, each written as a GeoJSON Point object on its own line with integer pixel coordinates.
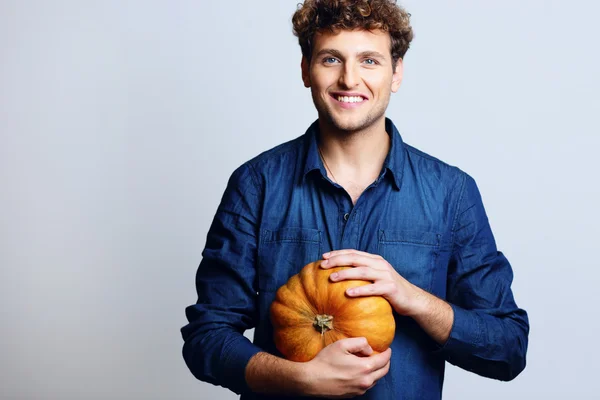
{"type": "Point", "coordinates": [465, 334]}
{"type": "Point", "coordinates": [235, 359]}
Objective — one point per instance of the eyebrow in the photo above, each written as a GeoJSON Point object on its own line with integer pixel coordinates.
{"type": "Point", "coordinates": [336, 53]}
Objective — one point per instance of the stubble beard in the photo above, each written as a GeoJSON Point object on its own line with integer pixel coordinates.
{"type": "Point", "coordinates": [348, 126]}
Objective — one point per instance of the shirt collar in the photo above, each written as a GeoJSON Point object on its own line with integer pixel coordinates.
{"type": "Point", "coordinates": [394, 162]}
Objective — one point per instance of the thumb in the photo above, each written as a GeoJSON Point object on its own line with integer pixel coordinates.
{"type": "Point", "coordinates": [357, 346]}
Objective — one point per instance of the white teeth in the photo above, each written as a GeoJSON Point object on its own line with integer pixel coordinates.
{"type": "Point", "coordinates": [350, 99]}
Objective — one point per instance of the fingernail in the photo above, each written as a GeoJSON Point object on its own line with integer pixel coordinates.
{"type": "Point", "coordinates": [334, 276]}
{"type": "Point", "coordinates": [351, 291]}
{"type": "Point", "coordinates": [326, 254]}
{"type": "Point", "coordinates": [326, 262]}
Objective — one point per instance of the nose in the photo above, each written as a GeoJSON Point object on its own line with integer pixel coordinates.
{"type": "Point", "coordinates": [350, 76]}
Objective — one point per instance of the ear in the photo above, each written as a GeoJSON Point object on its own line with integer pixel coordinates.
{"type": "Point", "coordinates": [305, 65]}
{"type": "Point", "coordinates": [397, 77]}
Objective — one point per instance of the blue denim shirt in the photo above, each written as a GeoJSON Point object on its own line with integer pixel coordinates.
{"type": "Point", "coordinates": [426, 218]}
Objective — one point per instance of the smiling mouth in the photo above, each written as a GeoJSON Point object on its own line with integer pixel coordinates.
{"type": "Point", "coordinates": [348, 99]}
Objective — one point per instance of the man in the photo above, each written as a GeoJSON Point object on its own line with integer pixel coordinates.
{"type": "Point", "coordinates": [350, 191]}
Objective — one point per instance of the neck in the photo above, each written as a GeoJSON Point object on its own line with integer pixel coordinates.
{"type": "Point", "coordinates": [357, 153]}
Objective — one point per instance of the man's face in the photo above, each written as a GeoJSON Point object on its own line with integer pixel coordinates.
{"type": "Point", "coordinates": [351, 77]}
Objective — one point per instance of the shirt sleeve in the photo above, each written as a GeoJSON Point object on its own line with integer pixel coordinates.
{"type": "Point", "coordinates": [215, 349]}
{"type": "Point", "coordinates": [490, 332]}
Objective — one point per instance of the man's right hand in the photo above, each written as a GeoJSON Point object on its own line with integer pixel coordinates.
{"type": "Point", "coordinates": [345, 369]}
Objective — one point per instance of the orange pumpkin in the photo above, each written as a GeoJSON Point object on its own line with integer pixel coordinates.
{"type": "Point", "coordinates": [310, 312]}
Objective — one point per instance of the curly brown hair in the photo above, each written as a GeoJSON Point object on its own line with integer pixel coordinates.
{"type": "Point", "coordinates": [318, 15]}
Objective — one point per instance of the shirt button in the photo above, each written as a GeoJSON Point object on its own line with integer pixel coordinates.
{"type": "Point", "coordinates": [346, 216]}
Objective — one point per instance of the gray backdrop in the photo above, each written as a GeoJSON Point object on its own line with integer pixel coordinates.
{"type": "Point", "coordinates": [122, 120]}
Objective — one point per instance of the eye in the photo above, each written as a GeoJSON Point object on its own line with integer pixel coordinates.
{"type": "Point", "coordinates": [330, 60]}
{"type": "Point", "coordinates": [370, 61]}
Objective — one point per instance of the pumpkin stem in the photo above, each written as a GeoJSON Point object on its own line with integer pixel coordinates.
{"type": "Point", "coordinates": [323, 323]}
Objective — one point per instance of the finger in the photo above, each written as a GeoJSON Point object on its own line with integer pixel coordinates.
{"type": "Point", "coordinates": [364, 352]}
{"type": "Point", "coordinates": [349, 251]}
{"type": "Point", "coordinates": [359, 273]}
{"type": "Point", "coordinates": [380, 361]}
{"type": "Point", "coordinates": [373, 289]}
{"type": "Point", "coordinates": [358, 345]}
{"type": "Point", "coordinates": [380, 373]}
{"type": "Point", "coordinates": [349, 259]}
{"type": "Point", "coordinates": [375, 376]}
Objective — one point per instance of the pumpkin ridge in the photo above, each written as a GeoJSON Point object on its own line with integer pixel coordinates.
{"type": "Point", "coordinates": [294, 288]}
{"type": "Point", "coordinates": [369, 306]}
{"type": "Point", "coordinates": [302, 313]}
{"type": "Point", "coordinates": [309, 281]}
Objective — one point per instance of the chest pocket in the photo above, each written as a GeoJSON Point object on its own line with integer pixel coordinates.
{"type": "Point", "coordinates": [413, 254]}
{"type": "Point", "coordinates": [283, 253]}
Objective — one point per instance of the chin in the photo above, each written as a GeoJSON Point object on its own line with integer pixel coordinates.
{"type": "Point", "coordinates": [348, 126]}
{"type": "Point", "coordinates": [352, 124]}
